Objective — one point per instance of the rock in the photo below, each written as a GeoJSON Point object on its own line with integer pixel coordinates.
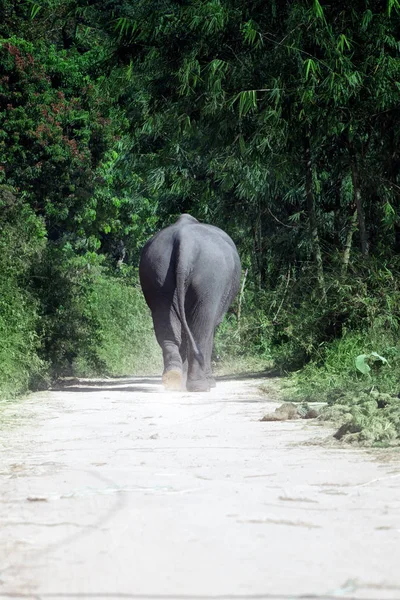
{"type": "Point", "coordinates": [285, 412]}
{"type": "Point", "coordinates": [311, 414]}
{"type": "Point", "coordinates": [289, 411]}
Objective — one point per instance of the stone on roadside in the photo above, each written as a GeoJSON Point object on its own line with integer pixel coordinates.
{"type": "Point", "coordinates": [289, 411]}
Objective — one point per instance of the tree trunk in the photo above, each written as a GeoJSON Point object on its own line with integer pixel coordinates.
{"type": "Point", "coordinates": [355, 177]}
{"type": "Point", "coordinates": [349, 240]}
{"type": "Point", "coordinates": [260, 244]}
{"type": "Point", "coordinates": [258, 247]}
{"type": "Point", "coordinates": [239, 312]}
{"type": "Point", "coordinates": [313, 220]}
{"type": "Point", "coordinates": [256, 256]}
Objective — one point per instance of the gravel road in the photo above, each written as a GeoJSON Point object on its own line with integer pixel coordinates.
{"type": "Point", "coordinates": [117, 489]}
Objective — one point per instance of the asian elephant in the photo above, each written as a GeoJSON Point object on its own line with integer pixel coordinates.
{"type": "Point", "coordinates": [190, 274]}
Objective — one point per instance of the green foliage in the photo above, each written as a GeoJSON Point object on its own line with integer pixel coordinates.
{"type": "Point", "coordinates": [64, 280]}
{"type": "Point", "coordinates": [126, 343]}
{"type": "Point", "coordinates": [317, 381]}
{"type": "Point", "coordinates": [21, 243]}
{"type": "Point", "coordinates": [62, 148]}
{"type": "Point", "coordinates": [53, 136]}
{"type": "Point", "coordinates": [363, 362]}
{"type": "Point", "coordinates": [93, 322]}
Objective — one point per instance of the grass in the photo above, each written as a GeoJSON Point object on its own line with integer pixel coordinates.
{"type": "Point", "coordinates": [125, 341]}
{"type": "Point", "coordinates": [21, 242]}
{"type": "Point", "coordinates": [364, 406]}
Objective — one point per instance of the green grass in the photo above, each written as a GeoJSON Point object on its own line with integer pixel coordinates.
{"type": "Point", "coordinates": [21, 243]}
{"type": "Point", "coordinates": [125, 340]}
{"type": "Point", "coordinates": [364, 407]}
{"type": "Point", "coordinates": [19, 361]}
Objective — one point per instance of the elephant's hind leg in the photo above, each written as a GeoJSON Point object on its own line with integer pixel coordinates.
{"type": "Point", "coordinates": [167, 328]}
{"type": "Point", "coordinates": [200, 377]}
{"type": "Point", "coordinates": [173, 380]}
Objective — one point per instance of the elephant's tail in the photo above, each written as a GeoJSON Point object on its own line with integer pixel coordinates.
{"type": "Point", "coordinates": [180, 275]}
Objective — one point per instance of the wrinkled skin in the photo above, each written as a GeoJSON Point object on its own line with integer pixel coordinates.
{"type": "Point", "coordinates": [190, 274]}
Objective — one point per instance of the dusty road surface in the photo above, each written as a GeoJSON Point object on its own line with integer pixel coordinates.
{"type": "Point", "coordinates": [122, 490]}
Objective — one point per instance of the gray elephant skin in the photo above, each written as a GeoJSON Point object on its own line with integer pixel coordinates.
{"type": "Point", "coordinates": [190, 274]}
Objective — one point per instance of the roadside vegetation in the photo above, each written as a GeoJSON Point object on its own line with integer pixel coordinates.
{"type": "Point", "coordinates": [277, 121]}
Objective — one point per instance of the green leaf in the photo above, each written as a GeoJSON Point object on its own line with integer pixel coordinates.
{"type": "Point", "coordinates": [393, 4]}
{"type": "Point", "coordinates": [250, 33]}
{"type": "Point", "coordinates": [247, 101]}
{"type": "Point", "coordinates": [362, 365]}
{"type": "Point", "coordinates": [295, 218]}
{"type": "Point", "coordinates": [318, 10]}
{"type": "Point", "coordinates": [389, 214]}
{"type": "Point", "coordinates": [363, 359]}
{"type": "Point", "coordinates": [342, 42]}
{"type": "Point", "coordinates": [125, 26]}
{"type": "Point", "coordinates": [218, 66]}
{"type": "Point", "coordinates": [379, 358]}
{"type": "Point", "coordinates": [310, 67]}
{"type": "Point", "coordinates": [36, 8]}
{"type": "Point", "coordinates": [366, 19]}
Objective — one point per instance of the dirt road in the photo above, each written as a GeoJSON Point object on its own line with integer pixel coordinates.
{"type": "Point", "coordinates": [121, 490]}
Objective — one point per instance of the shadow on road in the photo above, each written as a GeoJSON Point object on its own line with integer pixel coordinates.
{"type": "Point", "coordinates": [134, 384]}
{"type": "Point", "coordinates": [271, 373]}
{"type": "Point", "coordinates": [105, 382]}
{"type": "Point", "coordinates": [97, 388]}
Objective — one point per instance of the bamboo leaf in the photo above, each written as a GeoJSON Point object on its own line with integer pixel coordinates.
{"type": "Point", "coordinates": [124, 26]}
{"type": "Point", "coordinates": [393, 4]}
{"type": "Point", "coordinates": [36, 8]}
{"type": "Point", "coordinates": [250, 33]}
{"type": "Point", "coordinates": [366, 19]}
{"type": "Point", "coordinates": [342, 42]}
{"type": "Point", "coordinates": [310, 66]}
{"type": "Point", "coordinates": [247, 102]}
{"type": "Point", "coordinates": [318, 10]}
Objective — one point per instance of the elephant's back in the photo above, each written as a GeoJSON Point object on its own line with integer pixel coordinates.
{"type": "Point", "coordinates": [211, 257]}
{"type": "Point", "coordinates": [212, 243]}
{"type": "Point", "coordinates": [198, 248]}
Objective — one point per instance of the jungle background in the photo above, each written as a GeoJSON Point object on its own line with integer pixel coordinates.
{"type": "Point", "coordinates": [278, 121]}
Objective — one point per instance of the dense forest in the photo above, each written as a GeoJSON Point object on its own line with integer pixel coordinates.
{"type": "Point", "coordinates": [278, 121]}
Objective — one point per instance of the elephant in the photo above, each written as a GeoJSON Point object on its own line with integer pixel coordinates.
{"type": "Point", "coordinates": [190, 274]}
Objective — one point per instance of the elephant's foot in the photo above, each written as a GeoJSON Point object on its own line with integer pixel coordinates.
{"type": "Point", "coordinates": [211, 382]}
{"type": "Point", "coordinates": [172, 380]}
{"type": "Point", "coordinates": [199, 385]}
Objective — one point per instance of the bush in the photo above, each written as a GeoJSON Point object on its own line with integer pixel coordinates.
{"type": "Point", "coordinates": [357, 371]}
{"type": "Point", "coordinates": [126, 344]}
{"type": "Point", "coordinates": [63, 280]}
{"type": "Point", "coordinates": [21, 242]}
{"type": "Point", "coordinates": [93, 322]}
{"type": "Point", "coordinates": [339, 370]}
{"type": "Point", "coordinates": [300, 327]}
{"type": "Point", "coordinates": [54, 133]}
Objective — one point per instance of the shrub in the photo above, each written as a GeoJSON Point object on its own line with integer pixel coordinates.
{"type": "Point", "coordinates": [22, 239]}
{"type": "Point", "coordinates": [93, 322]}
{"type": "Point", "coordinates": [126, 344]}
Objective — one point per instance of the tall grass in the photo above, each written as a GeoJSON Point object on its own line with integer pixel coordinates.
{"type": "Point", "coordinates": [22, 239]}
{"type": "Point", "coordinates": [125, 344]}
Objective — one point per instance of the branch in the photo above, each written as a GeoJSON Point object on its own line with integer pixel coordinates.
{"type": "Point", "coordinates": [278, 221]}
